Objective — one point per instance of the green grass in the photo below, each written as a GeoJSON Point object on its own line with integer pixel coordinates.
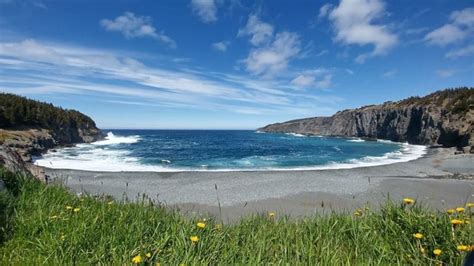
{"type": "Point", "coordinates": [38, 229]}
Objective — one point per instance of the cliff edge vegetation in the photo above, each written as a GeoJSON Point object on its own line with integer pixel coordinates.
{"type": "Point", "coordinates": [443, 118]}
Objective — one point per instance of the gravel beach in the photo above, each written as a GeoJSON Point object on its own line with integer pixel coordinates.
{"type": "Point", "coordinates": [439, 180]}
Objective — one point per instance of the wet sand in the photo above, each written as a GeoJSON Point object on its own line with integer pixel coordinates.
{"type": "Point", "coordinates": [439, 180]}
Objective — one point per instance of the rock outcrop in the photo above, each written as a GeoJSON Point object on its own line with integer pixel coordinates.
{"type": "Point", "coordinates": [443, 118]}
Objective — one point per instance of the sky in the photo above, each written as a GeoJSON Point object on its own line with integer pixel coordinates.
{"type": "Point", "coordinates": [230, 64]}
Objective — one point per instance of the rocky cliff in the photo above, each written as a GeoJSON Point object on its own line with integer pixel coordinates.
{"type": "Point", "coordinates": [442, 118]}
{"type": "Point", "coordinates": [30, 128]}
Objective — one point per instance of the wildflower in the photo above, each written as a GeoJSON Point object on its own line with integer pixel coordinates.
{"type": "Point", "coordinates": [137, 259]}
{"type": "Point", "coordinates": [460, 209]}
{"type": "Point", "coordinates": [437, 252]}
{"type": "Point", "coordinates": [462, 248]}
{"type": "Point", "coordinates": [408, 201]}
{"type": "Point", "coordinates": [456, 222]}
{"type": "Point", "coordinates": [469, 204]}
{"type": "Point", "coordinates": [418, 235]}
{"type": "Point", "coordinates": [68, 207]}
{"type": "Point", "coordinates": [148, 255]}
{"type": "Point", "coordinates": [76, 209]}
{"type": "Point", "coordinates": [450, 211]}
{"type": "Point", "coordinates": [271, 214]}
{"type": "Point", "coordinates": [201, 225]}
{"type": "Point", "coordinates": [357, 213]}
{"type": "Point", "coordinates": [194, 239]}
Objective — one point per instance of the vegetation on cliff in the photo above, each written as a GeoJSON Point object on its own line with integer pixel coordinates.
{"type": "Point", "coordinates": [20, 113]}
{"type": "Point", "coordinates": [47, 225]}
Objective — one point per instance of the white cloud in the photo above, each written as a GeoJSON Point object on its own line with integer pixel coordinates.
{"type": "Point", "coordinates": [205, 9]}
{"type": "Point", "coordinates": [324, 10]}
{"type": "Point", "coordinates": [132, 26]}
{"type": "Point", "coordinates": [354, 23]}
{"type": "Point", "coordinates": [445, 35]}
{"type": "Point", "coordinates": [318, 78]}
{"type": "Point", "coordinates": [273, 58]}
{"type": "Point", "coordinates": [33, 67]}
{"type": "Point", "coordinates": [261, 33]}
{"type": "Point", "coordinates": [390, 73]}
{"type": "Point", "coordinates": [445, 73]}
{"type": "Point", "coordinates": [221, 46]}
{"type": "Point", "coordinates": [465, 51]}
{"type": "Point", "coordinates": [460, 27]}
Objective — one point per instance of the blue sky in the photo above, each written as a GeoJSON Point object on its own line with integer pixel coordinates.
{"type": "Point", "coordinates": [228, 63]}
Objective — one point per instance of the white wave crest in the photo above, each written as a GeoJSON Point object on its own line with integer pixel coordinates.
{"type": "Point", "coordinates": [356, 140]}
{"type": "Point", "coordinates": [295, 134]}
{"type": "Point", "coordinates": [111, 139]}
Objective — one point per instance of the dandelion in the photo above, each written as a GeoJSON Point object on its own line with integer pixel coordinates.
{"type": "Point", "coordinates": [76, 209]}
{"type": "Point", "coordinates": [68, 207]}
{"type": "Point", "coordinates": [357, 213]}
{"type": "Point", "coordinates": [137, 259]}
{"type": "Point", "coordinates": [469, 204]}
{"type": "Point", "coordinates": [456, 222]}
{"type": "Point", "coordinates": [201, 225]}
{"type": "Point", "coordinates": [271, 214]}
{"type": "Point", "coordinates": [437, 252]}
{"type": "Point", "coordinates": [463, 248]}
{"type": "Point", "coordinates": [194, 239]}
{"type": "Point", "coordinates": [450, 211]}
{"type": "Point", "coordinates": [148, 255]}
{"type": "Point", "coordinates": [460, 209]}
{"type": "Point", "coordinates": [418, 235]}
{"type": "Point", "coordinates": [408, 201]}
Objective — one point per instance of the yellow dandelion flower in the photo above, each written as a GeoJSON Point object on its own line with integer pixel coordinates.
{"type": "Point", "coordinates": [137, 259]}
{"type": "Point", "coordinates": [450, 211]}
{"type": "Point", "coordinates": [76, 209]}
{"type": "Point", "coordinates": [437, 252]}
{"type": "Point", "coordinates": [408, 201]}
{"type": "Point", "coordinates": [194, 239]}
{"type": "Point", "coordinates": [271, 214]}
{"type": "Point", "coordinates": [201, 225]}
{"type": "Point", "coordinates": [69, 208]}
{"type": "Point", "coordinates": [456, 222]}
{"type": "Point", "coordinates": [418, 235]}
{"type": "Point", "coordinates": [463, 248]}
{"type": "Point", "coordinates": [148, 255]}
{"type": "Point", "coordinates": [469, 204]}
{"type": "Point", "coordinates": [460, 209]}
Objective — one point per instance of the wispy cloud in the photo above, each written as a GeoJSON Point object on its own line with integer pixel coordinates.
{"type": "Point", "coordinates": [461, 26]}
{"type": "Point", "coordinates": [221, 46]}
{"type": "Point", "coordinates": [390, 73]}
{"type": "Point", "coordinates": [133, 26]}
{"type": "Point", "coordinates": [206, 10]}
{"type": "Point", "coordinates": [445, 73]}
{"type": "Point", "coordinates": [33, 67]}
{"type": "Point", "coordinates": [353, 21]}
{"type": "Point", "coordinates": [464, 51]}
{"type": "Point", "coordinates": [260, 32]}
{"type": "Point", "coordinates": [318, 78]}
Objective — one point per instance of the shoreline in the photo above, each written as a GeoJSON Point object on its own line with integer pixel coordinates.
{"type": "Point", "coordinates": [432, 179]}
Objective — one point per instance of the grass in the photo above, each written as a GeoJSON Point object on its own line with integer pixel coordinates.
{"type": "Point", "coordinates": [38, 227]}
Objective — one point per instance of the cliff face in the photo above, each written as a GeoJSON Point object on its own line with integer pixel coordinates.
{"type": "Point", "coordinates": [445, 118]}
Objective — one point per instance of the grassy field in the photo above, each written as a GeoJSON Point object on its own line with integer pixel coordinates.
{"type": "Point", "coordinates": [47, 225]}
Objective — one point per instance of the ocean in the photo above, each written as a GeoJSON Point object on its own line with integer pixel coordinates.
{"type": "Point", "coordinates": [225, 150]}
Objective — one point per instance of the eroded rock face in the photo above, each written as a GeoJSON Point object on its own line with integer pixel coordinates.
{"type": "Point", "coordinates": [431, 120]}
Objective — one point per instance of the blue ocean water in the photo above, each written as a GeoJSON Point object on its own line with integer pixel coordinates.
{"type": "Point", "coordinates": [207, 150]}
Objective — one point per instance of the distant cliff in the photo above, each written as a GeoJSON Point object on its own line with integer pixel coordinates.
{"type": "Point", "coordinates": [30, 127]}
{"type": "Point", "coordinates": [442, 118]}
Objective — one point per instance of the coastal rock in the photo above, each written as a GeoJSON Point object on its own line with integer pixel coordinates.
{"type": "Point", "coordinates": [443, 118]}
